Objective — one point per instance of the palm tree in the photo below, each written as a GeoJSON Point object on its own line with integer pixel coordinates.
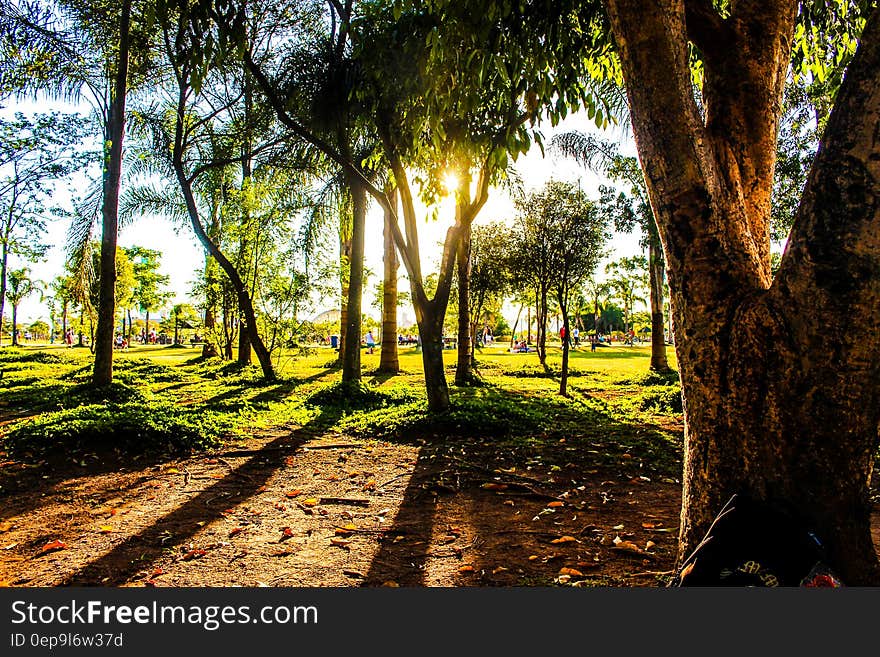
{"type": "Point", "coordinates": [19, 286]}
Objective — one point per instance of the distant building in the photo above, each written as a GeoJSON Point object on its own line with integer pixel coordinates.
{"type": "Point", "coordinates": [332, 315]}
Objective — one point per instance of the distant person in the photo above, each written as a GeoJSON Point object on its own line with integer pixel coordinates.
{"type": "Point", "coordinates": [371, 342]}
{"type": "Point", "coordinates": [576, 334]}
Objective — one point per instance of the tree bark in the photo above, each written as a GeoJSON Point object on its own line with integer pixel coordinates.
{"type": "Point", "coordinates": [659, 362]}
{"type": "Point", "coordinates": [351, 353]}
{"type": "Point", "coordinates": [431, 334]}
{"type": "Point", "coordinates": [463, 372]}
{"type": "Point", "coordinates": [777, 404]}
{"type": "Point", "coordinates": [4, 266]}
{"type": "Point", "coordinates": [344, 273]}
{"type": "Point", "coordinates": [388, 360]}
{"type": "Point", "coordinates": [563, 381]}
{"type": "Point", "coordinates": [103, 345]}
{"type": "Point", "coordinates": [15, 325]}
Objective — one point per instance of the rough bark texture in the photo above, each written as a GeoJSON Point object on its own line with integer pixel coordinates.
{"type": "Point", "coordinates": [351, 346]}
{"type": "Point", "coordinates": [659, 362]}
{"type": "Point", "coordinates": [388, 358]}
{"type": "Point", "coordinates": [463, 373]}
{"type": "Point", "coordinates": [777, 403]}
{"type": "Point", "coordinates": [344, 256]}
{"type": "Point", "coordinates": [103, 370]}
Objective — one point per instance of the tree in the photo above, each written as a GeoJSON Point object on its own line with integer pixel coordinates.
{"type": "Point", "coordinates": [20, 285]}
{"type": "Point", "coordinates": [35, 152]}
{"type": "Point", "coordinates": [627, 210]}
{"type": "Point", "coordinates": [182, 313]}
{"type": "Point", "coordinates": [435, 110]}
{"type": "Point", "coordinates": [388, 358]}
{"type": "Point", "coordinates": [148, 282]}
{"type": "Point", "coordinates": [797, 423]}
{"type": "Point", "coordinates": [489, 281]}
{"type": "Point", "coordinates": [627, 277]}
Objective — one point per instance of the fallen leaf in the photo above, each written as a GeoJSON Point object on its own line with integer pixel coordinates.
{"type": "Point", "coordinates": [287, 532]}
{"type": "Point", "coordinates": [312, 501]}
{"type": "Point", "coordinates": [340, 542]}
{"type": "Point", "coordinates": [293, 493]}
{"type": "Point", "coordinates": [499, 570]}
{"type": "Point", "coordinates": [343, 531]}
{"type": "Point", "coordinates": [290, 460]}
{"type": "Point", "coordinates": [563, 579]}
{"type": "Point", "coordinates": [333, 478]}
{"type": "Point", "coordinates": [508, 503]}
{"type": "Point", "coordinates": [564, 539]}
{"type": "Point", "coordinates": [198, 553]}
{"type": "Point", "coordinates": [556, 504]}
{"type": "Point", "coordinates": [649, 545]}
{"type": "Point", "coordinates": [466, 569]}
{"type": "Point", "coordinates": [370, 485]}
{"type": "Point", "coordinates": [105, 529]}
{"type": "Point", "coordinates": [53, 546]}
{"type": "Point", "coordinates": [5, 527]}
{"type": "Point", "coordinates": [391, 584]}
{"type": "Point", "coordinates": [573, 572]}
{"type": "Point", "coordinates": [617, 527]}
{"type": "Point", "coordinates": [236, 530]}
{"type": "Point", "coordinates": [172, 471]}
{"type": "Point", "coordinates": [262, 489]}
{"type": "Point", "coordinates": [150, 582]}
{"type": "Point", "coordinates": [650, 525]}
{"type": "Point", "coordinates": [217, 476]}
{"type": "Point", "coordinates": [533, 557]}
{"type": "Point", "coordinates": [280, 506]}
{"type": "Point", "coordinates": [493, 486]}
{"type": "Point", "coordinates": [157, 572]}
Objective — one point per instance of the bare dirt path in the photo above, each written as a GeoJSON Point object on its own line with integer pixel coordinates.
{"type": "Point", "coordinates": [295, 507]}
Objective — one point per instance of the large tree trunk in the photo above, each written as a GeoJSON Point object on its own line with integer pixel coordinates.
{"type": "Point", "coordinates": [244, 342]}
{"type": "Point", "coordinates": [463, 373]}
{"type": "Point", "coordinates": [431, 333]}
{"type": "Point", "coordinates": [659, 362]}
{"type": "Point", "coordinates": [351, 351]}
{"type": "Point", "coordinates": [388, 360]}
{"type": "Point", "coordinates": [103, 345]}
{"type": "Point", "coordinates": [778, 405]}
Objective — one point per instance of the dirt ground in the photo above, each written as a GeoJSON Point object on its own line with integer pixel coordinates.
{"type": "Point", "coordinates": [293, 508]}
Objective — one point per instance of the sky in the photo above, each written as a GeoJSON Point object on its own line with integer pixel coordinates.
{"type": "Point", "coordinates": [182, 256]}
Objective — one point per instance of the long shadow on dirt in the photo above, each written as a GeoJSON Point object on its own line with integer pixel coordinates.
{"type": "Point", "coordinates": [117, 566]}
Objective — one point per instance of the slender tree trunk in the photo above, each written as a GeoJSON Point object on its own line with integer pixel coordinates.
{"type": "Point", "coordinates": [777, 406]}
{"type": "Point", "coordinates": [344, 274]}
{"type": "Point", "coordinates": [103, 344]}
{"type": "Point", "coordinates": [147, 327]}
{"type": "Point", "coordinates": [15, 325]}
{"type": "Point", "coordinates": [659, 362]}
{"type": "Point", "coordinates": [4, 265]}
{"type": "Point", "coordinates": [563, 382]}
{"type": "Point", "coordinates": [63, 320]}
{"type": "Point", "coordinates": [529, 326]}
{"type": "Point", "coordinates": [351, 355]}
{"type": "Point", "coordinates": [541, 329]}
{"type": "Point", "coordinates": [515, 324]}
{"type": "Point", "coordinates": [463, 372]}
{"type": "Point", "coordinates": [130, 327]}
{"type": "Point", "coordinates": [388, 360]}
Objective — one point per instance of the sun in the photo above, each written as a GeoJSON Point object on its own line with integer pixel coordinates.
{"type": "Point", "coordinates": [450, 182]}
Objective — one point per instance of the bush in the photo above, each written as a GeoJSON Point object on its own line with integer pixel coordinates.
{"type": "Point", "coordinates": [664, 401]}
{"type": "Point", "coordinates": [136, 426]}
{"type": "Point", "coordinates": [351, 396]}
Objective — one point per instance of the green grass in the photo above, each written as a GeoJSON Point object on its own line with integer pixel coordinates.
{"type": "Point", "coordinates": [166, 399]}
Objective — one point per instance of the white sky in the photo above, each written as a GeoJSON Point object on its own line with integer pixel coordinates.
{"type": "Point", "coordinates": [182, 256]}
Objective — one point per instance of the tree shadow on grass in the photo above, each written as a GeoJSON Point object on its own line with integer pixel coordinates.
{"type": "Point", "coordinates": [244, 481]}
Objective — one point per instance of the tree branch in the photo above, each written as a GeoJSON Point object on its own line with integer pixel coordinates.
{"type": "Point", "coordinates": [706, 28]}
